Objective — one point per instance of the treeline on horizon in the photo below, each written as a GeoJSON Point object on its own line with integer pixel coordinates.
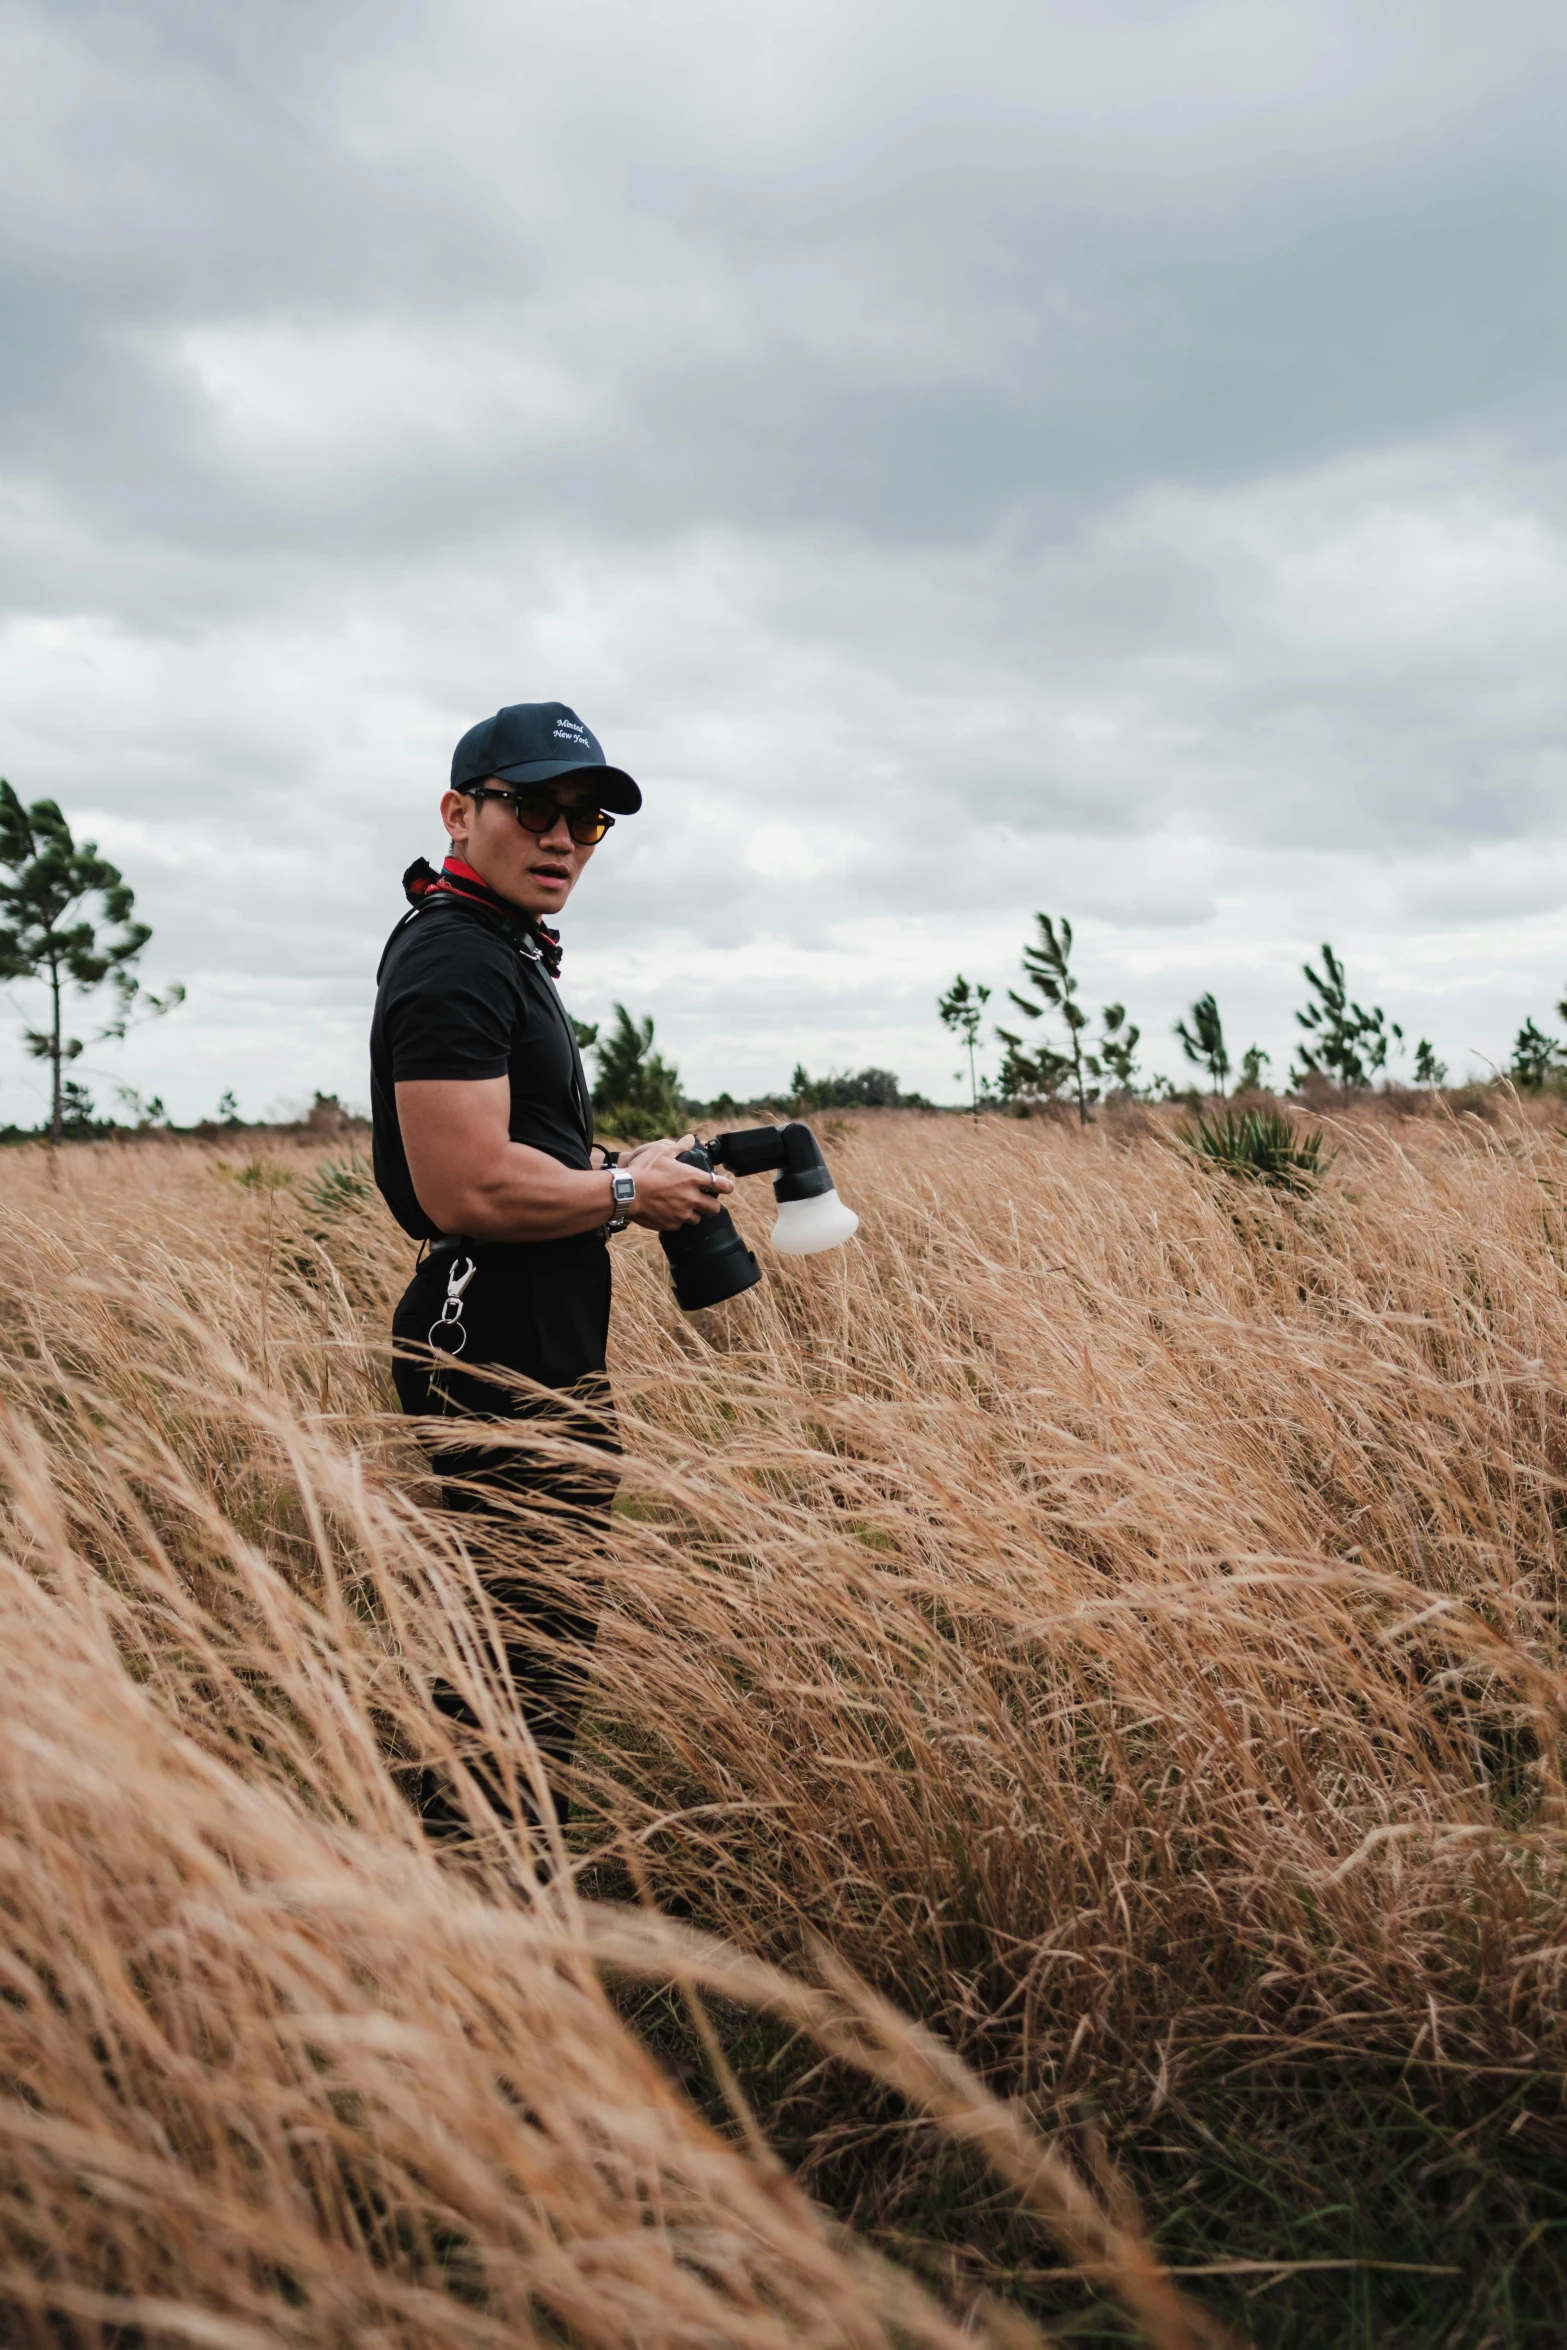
{"type": "Point", "coordinates": [1344, 1046]}
{"type": "Point", "coordinates": [67, 920]}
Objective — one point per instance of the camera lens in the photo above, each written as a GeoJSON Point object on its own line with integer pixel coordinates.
{"type": "Point", "coordinates": [709, 1260]}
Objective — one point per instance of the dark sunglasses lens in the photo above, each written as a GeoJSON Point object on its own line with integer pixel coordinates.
{"type": "Point", "coordinates": [539, 811]}
{"type": "Point", "coordinates": [536, 810]}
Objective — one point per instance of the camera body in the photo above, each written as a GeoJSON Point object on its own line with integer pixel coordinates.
{"type": "Point", "coordinates": [709, 1261]}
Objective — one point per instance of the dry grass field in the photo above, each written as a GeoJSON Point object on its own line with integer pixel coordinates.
{"type": "Point", "coordinates": [1070, 1822]}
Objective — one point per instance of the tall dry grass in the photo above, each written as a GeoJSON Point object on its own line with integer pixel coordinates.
{"type": "Point", "coordinates": [1107, 1617]}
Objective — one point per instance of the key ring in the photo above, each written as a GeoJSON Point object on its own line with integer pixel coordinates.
{"type": "Point", "coordinates": [450, 1322]}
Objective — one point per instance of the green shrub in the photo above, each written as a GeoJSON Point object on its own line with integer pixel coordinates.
{"type": "Point", "coordinates": [336, 1184]}
{"type": "Point", "coordinates": [1263, 1145]}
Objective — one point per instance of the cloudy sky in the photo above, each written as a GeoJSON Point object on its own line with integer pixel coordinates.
{"type": "Point", "coordinates": [1100, 455]}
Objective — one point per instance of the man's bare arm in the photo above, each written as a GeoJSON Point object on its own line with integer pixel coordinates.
{"type": "Point", "coordinates": [470, 1177]}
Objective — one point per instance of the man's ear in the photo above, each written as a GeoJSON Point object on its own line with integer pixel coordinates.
{"type": "Point", "coordinates": [457, 815]}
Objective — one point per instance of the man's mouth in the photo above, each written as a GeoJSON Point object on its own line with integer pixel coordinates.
{"type": "Point", "coordinates": [551, 873]}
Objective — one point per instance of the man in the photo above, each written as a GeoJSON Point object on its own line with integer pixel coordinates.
{"type": "Point", "coordinates": [484, 1151]}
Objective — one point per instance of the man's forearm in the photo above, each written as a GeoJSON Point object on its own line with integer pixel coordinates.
{"type": "Point", "coordinates": [525, 1195]}
{"type": "Point", "coordinates": [470, 1177]}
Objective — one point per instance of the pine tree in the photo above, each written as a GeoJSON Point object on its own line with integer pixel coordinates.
{"type": "Point", "coordinates": [1044, 1073]}
{"type": "Point", "coordinates": [1047, 964]}
{"type": "Point", "coordinates": [48, 931]}
{"type": "Point", "coordinates": [1117, 1054]}
{"type": "Point", "coordinates": [1203, 1042]}
{"type": "Point", "coordinates": [961, 1009]}
{"type": "Point", "coordinates": [1029, 1077]}
{"type": "Point", "coordinates": [1347, 1043]}
{"type": "Point", "coordinates": [1536, 1058]}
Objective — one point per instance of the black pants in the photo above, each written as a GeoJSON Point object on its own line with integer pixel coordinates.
{"type": "Point", "coordinates": [542, 1309]}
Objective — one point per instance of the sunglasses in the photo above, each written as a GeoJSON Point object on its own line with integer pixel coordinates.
{"type": "Point", "coordinates": [539, 811]}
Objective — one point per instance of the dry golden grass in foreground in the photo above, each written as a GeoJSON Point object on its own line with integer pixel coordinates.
{"type": "Point", "coordinates": [1112, 1615]}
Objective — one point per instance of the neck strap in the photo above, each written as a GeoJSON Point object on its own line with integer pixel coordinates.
{"type": "Point", "coordinates": [458, 879]}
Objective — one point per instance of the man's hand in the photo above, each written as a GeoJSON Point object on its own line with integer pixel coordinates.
{"type": "Point", "coordinates": [669, 1193]}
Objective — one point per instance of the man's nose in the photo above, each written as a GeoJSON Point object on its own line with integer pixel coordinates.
{"type": "Point", "coordinates": [559, 833]}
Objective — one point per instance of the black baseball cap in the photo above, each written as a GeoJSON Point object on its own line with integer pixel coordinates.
{"type": "Point", "coordinates": [533, 742]}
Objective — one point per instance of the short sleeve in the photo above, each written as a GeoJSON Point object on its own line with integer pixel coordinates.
{"type": "Point", "coordinates": [452, 1008]}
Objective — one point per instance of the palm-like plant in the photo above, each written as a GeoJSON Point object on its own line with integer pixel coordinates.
{"type": "Point", "coordinates": [1261, 1146]}
{"type": "Point", "coordinates": [638, 1092]}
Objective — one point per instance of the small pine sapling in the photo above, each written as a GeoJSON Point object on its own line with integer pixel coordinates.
{"type": "Point", "coordinates": [1252, 1062]}
{"type": "Point", "coordinates": [1536, 1058]}
{"type": "Point", "coordinates": [1203, 1042]}
{"type": "Point", "coordinates": [1428, 1069]}
{"type": "Point", "coordinates": [1343, 1040]}
{"type": "Point", "coordinates": [1047, 965]}
{"type": "Point", "coordinates": [962, 1009]}
{"type": "Point", "coordinates": [1116, 1058]}
{"type": "Point", "coordinates": [1028, 1077]}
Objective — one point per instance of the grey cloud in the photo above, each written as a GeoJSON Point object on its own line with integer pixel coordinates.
{"type": "Point", "coordinates": [952, 310]}
{"type": "Point", "coordinates": [1481, 891]}
{"type": "Point", "coordinates": [963, 462]}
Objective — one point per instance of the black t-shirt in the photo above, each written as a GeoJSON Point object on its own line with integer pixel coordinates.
{"type": "Point", "coordinates": [463, 993]}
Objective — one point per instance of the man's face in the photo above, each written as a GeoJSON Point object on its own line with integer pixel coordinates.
{"type": "Point", "coordinates": [536, 871]}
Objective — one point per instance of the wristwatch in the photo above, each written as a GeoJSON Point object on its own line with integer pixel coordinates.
{"type": "Point", "coordinates": [622, 1191]}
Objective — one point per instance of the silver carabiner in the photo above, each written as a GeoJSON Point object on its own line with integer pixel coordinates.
{"type": "Point", "coordinates": [448, 1332]}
